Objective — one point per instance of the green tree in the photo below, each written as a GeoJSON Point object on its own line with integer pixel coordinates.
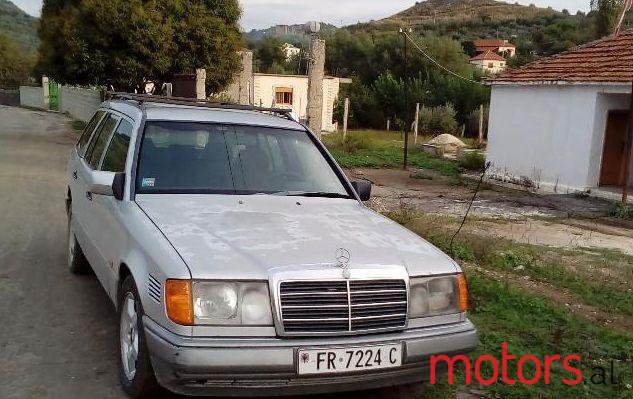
{"type": "Point", "coordinates": [15, 65]}
{"type": "Point", "coordinates": [127, 43]}
{"type": "Point", "coordinates": [607, 13]}
{"type": "Point", "coordinates": [270, 56]}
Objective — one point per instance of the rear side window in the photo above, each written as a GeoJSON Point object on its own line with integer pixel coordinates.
{"type": "Point", "coordinates": [100, 140]}
{"type": "Point", "coordinates": [82, 144]}
{"type": "Point", "coordinates": [116, 154]}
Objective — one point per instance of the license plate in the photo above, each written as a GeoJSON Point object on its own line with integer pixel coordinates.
{"type": "Point", "coordinates": [346, 360]}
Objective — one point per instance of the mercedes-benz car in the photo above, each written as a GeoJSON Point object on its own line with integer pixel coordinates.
{"type": "Point", "coordinates": [242, 261]}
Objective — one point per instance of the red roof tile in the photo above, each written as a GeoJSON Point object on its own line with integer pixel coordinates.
{"type": "Point", "coordinates": [488, 56]}
{"type": "Point", "coordinates": [608, 60]}
{"type": "Point", "coordinates": [492, 43]}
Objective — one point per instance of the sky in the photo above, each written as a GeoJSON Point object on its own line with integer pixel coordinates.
{"type": "Point", "coordinates": [264, 13]}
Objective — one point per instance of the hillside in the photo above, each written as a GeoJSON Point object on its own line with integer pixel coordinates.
{"type": "Point", "coordinates": [18, 26]}
{"type": "Point", "coordinates": [465, 11]}
{"type": "Point", "coordinates": [536, 31]}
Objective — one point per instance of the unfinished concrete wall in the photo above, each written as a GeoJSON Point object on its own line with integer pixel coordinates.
{"type": "Point", "coordinates": [10, 97]}
{"type": "Point", "coordinates": [32, 97]}
{"type": "Point", "coordinates": [242, 89]}
{"type": "Point", "coordinates": [79, 103]}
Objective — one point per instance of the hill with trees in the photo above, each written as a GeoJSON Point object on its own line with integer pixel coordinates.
{"type": "Point", "coordinates": [18, 26]}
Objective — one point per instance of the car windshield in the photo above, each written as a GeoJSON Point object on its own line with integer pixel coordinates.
{"type": "Point", "coordinates": [194, 157]}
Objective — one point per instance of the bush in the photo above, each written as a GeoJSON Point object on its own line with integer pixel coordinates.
{"type": "Point", "coordinates": [352, 143]}
{"type": "Point", "coordinates": [622, 211]}
{"type": "Point", "coordinates": [438, 120]}
{"type": "Point", "coordinates": [472, 161]}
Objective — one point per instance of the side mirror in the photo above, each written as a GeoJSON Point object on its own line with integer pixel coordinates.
{"type": "Point", "coordinates": [362, 188]}
{"type": "Point", "coordinates": [102, 183]}
{"type": "Point", "coordinates": [118, 186]}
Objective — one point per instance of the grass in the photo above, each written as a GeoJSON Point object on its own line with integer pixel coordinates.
{"type": "Point", "coordinates": [622, 211]}
{"type": "Point", "coordinates": [580, 274]}
{"type": "Point", "coordinates": [531, 324]}
{"type": "Point", "coordinates": [375, 149]}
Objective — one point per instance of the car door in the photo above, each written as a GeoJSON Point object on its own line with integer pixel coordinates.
{"type": "Point", "coordinates": [86, 211]}
{"type": "Point", "coordinates": [107, 212]}
{"type": "Point", "coordinates": [74, 182]}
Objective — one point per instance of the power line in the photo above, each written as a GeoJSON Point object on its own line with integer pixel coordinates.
{"type": "Point", "coordinates": [437, 63]}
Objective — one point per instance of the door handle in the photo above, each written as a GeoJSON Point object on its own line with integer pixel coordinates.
{"type": "Point", "coordinates": [75, 175]}
{"type": "Point", "coordinates": [89, 195]}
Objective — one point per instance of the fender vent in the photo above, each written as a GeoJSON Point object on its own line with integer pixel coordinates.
{"type": "Point", "coordinates": [154, 288]}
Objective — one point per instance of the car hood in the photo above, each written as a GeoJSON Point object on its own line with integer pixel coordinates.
{"type": "Point", "coordinates": [246, 237]}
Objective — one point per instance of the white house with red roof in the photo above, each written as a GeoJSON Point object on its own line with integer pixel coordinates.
{"type": "Point", "coordinates": [560, 124]}
{"type": "Point", "coordinates": [489, 61]}
{"type": "Point", "coordinates": [499, 46]}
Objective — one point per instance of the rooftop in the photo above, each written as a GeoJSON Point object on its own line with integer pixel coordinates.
{"type": "Point", "coordinates": [608, 60]}
{"type": "Point", "coordinates": [488, 56]}
{"type": "Point", "coordinates": [493, 43]}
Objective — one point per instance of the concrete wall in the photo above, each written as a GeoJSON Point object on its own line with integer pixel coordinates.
{"type": "Point", "coordinates": [550, 135]}
{"type": "Point", "coordinates": [32, 97]}
{"type": "Point", "coordinates": [264, 91]}
{"type": "Point", "coordinates": [79, 103]}
{"type": "Point", "coordinates": [10, 97]}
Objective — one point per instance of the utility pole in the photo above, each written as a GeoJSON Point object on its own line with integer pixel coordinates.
{"type": "Point", "coordinates": [345, 116]}
{"type": "Point", "coordinates": [417, 122]}
{"type": "Point", "coordinates": [316, 65]}
{"type": "Point", "coordinates": [481, 123]}
{"type": "Point", "coordinates": [627, 155]}
{"type": "Point", "coordinates": [406, 99]}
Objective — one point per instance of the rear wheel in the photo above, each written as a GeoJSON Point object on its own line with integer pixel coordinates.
{"type": "Point", "coordinates": [135, 369]}
{"type": "Point", "coordinates": [77, 262]}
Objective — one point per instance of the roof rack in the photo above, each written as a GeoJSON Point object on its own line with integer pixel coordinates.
{"type": "Point", "coordinates": [192, 102]}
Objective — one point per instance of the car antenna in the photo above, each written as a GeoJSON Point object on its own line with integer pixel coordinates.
{"type": "Point", "coordinates": [470, 205]}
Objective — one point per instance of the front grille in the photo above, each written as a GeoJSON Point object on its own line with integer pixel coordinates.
{"type": "Point", "coordinates": [342, 306]}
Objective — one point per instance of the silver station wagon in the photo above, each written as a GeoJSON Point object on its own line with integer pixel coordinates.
{"type": "Point", "coordinates": [243, 262]}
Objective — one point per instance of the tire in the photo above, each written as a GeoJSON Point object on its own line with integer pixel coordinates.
{"type": "Point", "coordinates": [135, 372]}
{"type": "Point", "coordinates": [77, 262]}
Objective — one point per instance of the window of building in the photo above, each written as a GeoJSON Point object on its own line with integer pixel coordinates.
{"type": "Point", "coordinates": [283, 95]}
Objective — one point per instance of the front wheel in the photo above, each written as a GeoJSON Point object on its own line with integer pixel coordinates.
{"type": "Point", "coordinates": [135, 369]}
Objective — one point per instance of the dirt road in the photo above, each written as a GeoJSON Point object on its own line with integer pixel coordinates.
{"type": "Point", "coordinates": [56, 330]}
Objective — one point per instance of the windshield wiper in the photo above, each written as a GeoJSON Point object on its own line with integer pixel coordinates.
{"type": "Point", "coordinates": [312, 194]}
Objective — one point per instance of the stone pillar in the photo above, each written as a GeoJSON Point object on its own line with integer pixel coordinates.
{"type": "Point", "coordinates": [245, 79]}
{"type": "Point", "coordinates": [45, 92]}
{"type": "Point", "coordinates": [242, 89]}
{"type": "Point", "coordinates": [201, 84]}
{"type": "Point", "coordinates": [316, 68]}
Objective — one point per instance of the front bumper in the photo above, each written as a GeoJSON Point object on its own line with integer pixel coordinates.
{"type": "Point", "coordinates": [266, 366]}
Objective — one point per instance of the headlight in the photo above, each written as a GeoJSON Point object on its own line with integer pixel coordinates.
{"type": "Point", "coordinates": [432, 296]}
{"type": "Point", "coordinates": [234, 303]}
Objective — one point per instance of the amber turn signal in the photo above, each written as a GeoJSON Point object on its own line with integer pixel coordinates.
{"type": "Point", "coordinates": [463, 292]}
{"type": "Point", "coordinates": [178, 301]}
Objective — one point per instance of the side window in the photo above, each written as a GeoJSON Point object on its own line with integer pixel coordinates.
{"type": "Point", "coordinates": [100, 140]}
{"type": "Point", "coordinates": [116, 154]}
{"type": "Point", "coordinates": [82, 144]}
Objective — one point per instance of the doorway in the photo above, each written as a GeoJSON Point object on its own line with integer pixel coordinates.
{"type": "Point", "coordinates": [614, 152]}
